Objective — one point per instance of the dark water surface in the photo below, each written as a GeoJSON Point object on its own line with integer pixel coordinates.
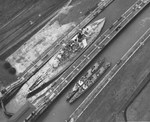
{"type": "Point", "coordinates": [46, 5]}
{"type": "Point", "coordinates": [60, 110]}
{"type": "Point", "coordinates": [53, 5]}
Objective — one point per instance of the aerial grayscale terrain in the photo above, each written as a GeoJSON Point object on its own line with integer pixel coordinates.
{"type": "Point", "coordinates": [74, 60]}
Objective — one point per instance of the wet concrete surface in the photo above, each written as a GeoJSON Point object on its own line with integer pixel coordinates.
{"type": "Point", "coordinates": [116, 93]}
{"type": "Point", "coordinates": [5, 76]}
{"type": "Point", "coordinates": [139, 110]}
{"type": "Point", "coordinates": [9, 9]}
{"type": "Point", "coordinates": [36, 7]}
{"type": "Point", "coordinates": [60, 110]}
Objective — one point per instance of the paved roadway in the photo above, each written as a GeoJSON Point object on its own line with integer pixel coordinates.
{"type": "Point", "coordinates": [139, 109]}
{"type": "Point", "coordinates": [141, 86]}
{"type": "Point", "coordinates": [88, 55]}
{"type": "Point", "coordinates": [30, 72]}
{"type": "Point", "coordinates": [112, 73]}
{"type": "Point", "coordinates": [60, 110]}
{"type": "Point", "coordinates": [27, 26]}
{"type": "Point", "coordinates": [114, 97]}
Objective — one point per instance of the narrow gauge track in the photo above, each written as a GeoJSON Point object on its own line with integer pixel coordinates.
{"type": "Point", "coordinates": [48, 53]}
{"type": "Point", "coordinates": [13, 40]}
{"type": "Point", "coordinates": [136, 91]}
{"type": "Point", "coordinates": [65, 79]}
{"type": "Point", "coordinates": [44, 58]}
{"type": "Point", "coordinates": [15, 17]}
{"type": "Point", "coordinates": [132, 97]}
{"type": "Point", "coordinates": [97, 90]}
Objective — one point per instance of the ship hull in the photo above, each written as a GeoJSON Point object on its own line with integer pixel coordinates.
{"type": "Point", "coordinates": [89, 82]}
{"type": "Point", "coordinates": [49, 71]}
{"type": "Point", "coordinates": [30, 52]}
{"type": "Point", "coordinates": [70, 94]}
{"type": "Point", "coordinates": [70, 60]}
{"type": "Point", "coordinates": [65, 64]}
{"type": "Point", "coordinates": [85, 76]}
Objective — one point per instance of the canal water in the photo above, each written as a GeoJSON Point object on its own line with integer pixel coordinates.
{"type": "Point", "coordinates": [60, 110]}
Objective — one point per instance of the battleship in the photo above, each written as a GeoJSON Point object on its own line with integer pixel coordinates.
{"type": "Point", "coordinates": [31, 51]}
{"type": "Point", "coordinates": [85, 82]}
{"type": "Point", "coordinates": [49, 93]}
{"type": "Point", "coordinates": [28, 72]}
{"type": "Point", "coordinates": [69, 52]}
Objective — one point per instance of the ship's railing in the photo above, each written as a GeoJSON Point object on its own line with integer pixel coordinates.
{"type": "Point", "coordinates": [65, 79]}
{"type": "Point", "coordinates": [44, 56]}
{"type": "Point", "coordinates": [48, 53]}
{"type": "Point", "coordinates": [137, 7]}
{"type": "Point", "coordinates": [90, 53]}
{"type": "Point", "coordinates": [77, 113]}
{"type": "Point", "coordinates": [96, 48]}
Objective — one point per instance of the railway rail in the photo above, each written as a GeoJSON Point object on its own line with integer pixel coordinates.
{"type": "Point", "coordinates": [97, 90]}
{"type": "Point", "coordinates": [66, 78]}
{"type": "Point", "coordinates": [9, 91]}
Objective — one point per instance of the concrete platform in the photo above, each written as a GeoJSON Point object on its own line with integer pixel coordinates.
{"type": "Point", "coordinates": [60, 110]}
{"type": "Point", "coordinates": [105, 107]}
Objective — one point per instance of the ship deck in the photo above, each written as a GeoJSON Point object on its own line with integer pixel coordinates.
{"type": "Point", "coordinates": [60, 110]}
{"type": "Point", "coordinates": [119, 89]}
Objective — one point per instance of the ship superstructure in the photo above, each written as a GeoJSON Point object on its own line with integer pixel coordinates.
{"type": "Point", "coordinates": [85, 77]}
{"type": "Point", "coordinates": [36, 45]}
{"type": "Point", "coordinates": [86, 81]}
{"type": "Point", "coordinates": [51, 94]}
{"type": "Point", "coordinates": [70, 51]}
{"type": "Point", "coordinates": [8, 92]}
{"type": "Point", "coordinates": [61, 60]}
{"type": "Point", "coordinates": [42, 99]}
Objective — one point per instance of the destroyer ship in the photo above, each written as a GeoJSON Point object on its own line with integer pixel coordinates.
{"type": "Point", "coordinates": [69, 52]}
{"type": "Point", "coordinates": [87, 80]}
{"type": "Point", "coordinates": [85, 76]}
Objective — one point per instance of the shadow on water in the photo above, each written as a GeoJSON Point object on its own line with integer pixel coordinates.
{"type": "Point", "coordinates": [60, 109]}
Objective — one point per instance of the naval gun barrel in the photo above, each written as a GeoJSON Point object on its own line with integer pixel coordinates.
{"type": "Point", "coordinates": [66, 78]}
{"type": "Point", "coordinates": [14, 87]}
